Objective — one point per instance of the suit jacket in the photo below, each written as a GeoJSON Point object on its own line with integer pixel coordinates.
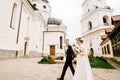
{"type": "Point", "coordinates": [69, 53]}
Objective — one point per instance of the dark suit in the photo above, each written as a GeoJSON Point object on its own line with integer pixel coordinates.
{"type": "Point", "coordinates": [68, 62]}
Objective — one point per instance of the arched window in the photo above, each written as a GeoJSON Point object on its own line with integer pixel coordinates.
{"type": "Point", "coordinates": [92, 51]}
{"type": "Point", "coordinates": [90, 25]}
{"type": "Point", "coordinates": [108, 49]}
{"type": "Point", "coordinates": [88, 10]}
{"type": "Point", "coordinates": [61, 42]}
{"type": "Point", "coordinates": [13, 16]}
{"type": "Point", "coordinates": [96, 6]}
{"type": "Point", "coordinates": [44, 6]}
{"type": "Point", "coordinates": [105, 20]}
{"type": "Point", "coordinates": [103, 51]}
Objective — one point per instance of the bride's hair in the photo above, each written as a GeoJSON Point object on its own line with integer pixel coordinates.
{"type": "Point", "coordinates": [80, 40]}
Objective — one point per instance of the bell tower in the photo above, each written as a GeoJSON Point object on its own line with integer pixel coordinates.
{"type": "Point", "coordinates": [95, 18]}
{"type": "Point", "coordinates": [88, 5]}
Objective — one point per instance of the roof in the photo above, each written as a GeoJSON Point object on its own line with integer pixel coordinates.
{"type": "Point", "coordinates": [103, 37]}
{"type": "Point", "coordinates": [32, 5]}
{"type": "Point", "coordinates": [54, 21]}
{"type": "Point", "coordinates": [115, 30]}
{"type": "Point", "coordinates": [116, 18]}
{"type": "Point", "coordinates": [109, 30]}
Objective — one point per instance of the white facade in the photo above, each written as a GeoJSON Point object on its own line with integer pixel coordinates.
{"type": "Point", "coordinates": [21, 28]}
{"type": "Point", "coordinates": [54, 38]}
{"type": "Point", "coordinates": [96, 17]}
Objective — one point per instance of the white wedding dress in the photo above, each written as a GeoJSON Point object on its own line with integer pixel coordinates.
{"type": "Point", "coordinates": [83, 70]}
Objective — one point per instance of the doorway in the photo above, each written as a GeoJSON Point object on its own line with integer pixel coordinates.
{"type": "Point", "coordinates": [25, 49]}
{"type": "Point", "coordinates": [52, 50]}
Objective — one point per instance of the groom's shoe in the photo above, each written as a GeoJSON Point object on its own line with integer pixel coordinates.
{"type": "Point", "coordinates": [59, 79]}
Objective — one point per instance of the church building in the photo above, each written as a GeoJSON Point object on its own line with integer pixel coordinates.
{"type": "Point", "coordinates": [54, 38]}
{"type": "Point", "coordinates": [95, 18]}
{"type": "Point", "coordinates": [23, 28]}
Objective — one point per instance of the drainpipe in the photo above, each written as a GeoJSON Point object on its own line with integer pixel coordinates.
{"type": "Point", "coordinates": [16, 54]}
{"type": "Point", "coordinates": [19, 24]}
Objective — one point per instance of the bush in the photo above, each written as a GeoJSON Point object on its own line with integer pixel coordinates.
{"type": "Point", "coordinates": [46, 60]}
{"type": "Point", "coordinates": [59, 58]}
{"type": "Point", "coordinates": [91, 56]}
{"type": "Point", "coordinates": [51, 61]}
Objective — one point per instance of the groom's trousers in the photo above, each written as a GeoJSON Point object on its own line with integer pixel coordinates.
{"type": "Point", "coordinates": [66, 65]}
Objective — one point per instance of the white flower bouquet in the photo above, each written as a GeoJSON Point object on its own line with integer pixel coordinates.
{"type": "Point", "coordinates": [78, 49]}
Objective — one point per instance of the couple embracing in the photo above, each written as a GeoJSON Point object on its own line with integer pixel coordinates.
{"type": "Point", "coordinates": [82, 70]}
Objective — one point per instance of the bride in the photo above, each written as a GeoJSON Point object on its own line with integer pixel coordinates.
{"type": "Point", "coordinates": [83, 69]}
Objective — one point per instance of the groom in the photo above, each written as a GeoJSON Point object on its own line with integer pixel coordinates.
{"type": "Point", "coordinates": [68, 63]}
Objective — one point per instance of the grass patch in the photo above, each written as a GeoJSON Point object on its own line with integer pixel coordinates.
{"type": "Point", "coordinates": [99, 62]}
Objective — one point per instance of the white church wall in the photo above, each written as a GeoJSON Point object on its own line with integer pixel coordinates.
{"type": "Point", "coordinates": [53, 38]}
{"type": "Point", "coordinates": [96, 19]}
{"type": "Point", "coordinates": [7, 42]}
{"type": "Point", "coordinates": [34, 30]}
{"type": "Point", "coordinates": [57, 28]}
{"type": "Point", "coordinates": [93, 41]}
{"type": "Point", "coordinates": [31, 26]}
{"type": "Point", "coordinates": [8, 34]}
{"type": "Point", "coordinates": [36, 36]}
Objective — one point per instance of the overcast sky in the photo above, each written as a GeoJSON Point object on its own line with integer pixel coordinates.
{"type": "Point", "coordinates": [70, 12]}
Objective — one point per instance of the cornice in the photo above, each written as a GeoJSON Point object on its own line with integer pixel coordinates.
{"type": "Point", "coordinates": [89, 14]}
{"type": "Point", "coordinates": [33, 12]}
{"type": "Point", "coordinates": [84, 2]}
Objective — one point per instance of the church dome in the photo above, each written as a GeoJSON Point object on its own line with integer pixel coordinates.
{"type": "Point", "coordinates": [54, 21]}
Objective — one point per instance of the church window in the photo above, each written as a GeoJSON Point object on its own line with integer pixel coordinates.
{"type": "Point", "coordinates": [96, 7]}
{"type": "Point", "coordinates": [91, 50]}
{"type": "Point", "coordinates": [88, 10]}
{"type": "Point", "coordinates": [61, 42]}
{"type": "Point", "coordinates": [108, 49]}
{"type": "Point", "coordinates": [105, 20]}
{"type": "Point", "coordinates": [103, 51]}
{"type": "Point", "coordinates": [13, 16]}
{"type": "Point", "coordinates": [34, 7]}
{"type": "Point", "coordinates": [90, 25]}
{"type": "Point", "coordinates": [44, 6]}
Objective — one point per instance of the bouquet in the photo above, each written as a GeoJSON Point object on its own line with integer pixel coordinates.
{"type": "Point", "coordinates": [78, 49]}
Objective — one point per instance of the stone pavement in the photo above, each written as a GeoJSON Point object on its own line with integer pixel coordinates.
{"type": "Point", "coordinates": [28, 69]}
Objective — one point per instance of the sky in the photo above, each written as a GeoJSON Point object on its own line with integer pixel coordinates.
{"type": "Point", "coordinates": [70, 11]}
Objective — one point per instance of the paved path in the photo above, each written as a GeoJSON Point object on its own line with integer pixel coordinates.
{"type": "Point", "coordinates": [28, 69]}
